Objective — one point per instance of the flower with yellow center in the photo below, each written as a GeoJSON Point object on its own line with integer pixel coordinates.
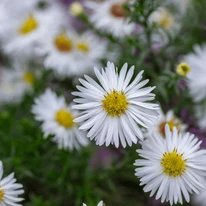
{"type": "Point", "coordinates": [29, 25]}
{"type": "Point", "coordinates": [163, 18]}
{"type": "Point", "coordinates": [9, 189]}
{"type": "Point", "coordinates": [169, 118]}
{"type": "Point", "coordinates": [183, 69]}
{"type": "Point", "coordinates": [57, 118]}
{"type": "Point", "coordinates": [172, 167]}
{"type": "Point", "coordinates": [63, 43]}
{"type": "Point", "coordinates": [113, 109]}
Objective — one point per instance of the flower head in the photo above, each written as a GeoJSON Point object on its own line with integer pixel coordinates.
{"type": "Point", "coordinates": [113, 109]}
{"type": "Point", "coordinates": [172, 167]}
{"type": "Point", "coordinates": [183, 69]}
{"type": "Point", "coordinates": [57, 118]}
{"type": "Point", "coordinates": [9, 189]}
{"type": "Point", "coordinates": [110, 16]}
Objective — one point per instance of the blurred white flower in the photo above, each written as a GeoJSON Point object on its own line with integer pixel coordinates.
{"type": "Point", "coordinates": [163, 119]}
{"type": "Point", "coordinates": [14, 83]}
{"type": "Point", "coordinates": [112, 110]}
{"type": "Point", "coordinates": [110, 16]}
{"type": "Point", "coordinates": [57, 119]}
{"type": "Point", "coordinates": [23, 30]}
{"type": "Point", "coordinates": [199, 199]}
{"type": "Point", "coordinates": [9, 190]}
{"type": "Point", "coordinates": [69, 54]}
{"type": "Point", "coordinates": [197, 74]}
{"type": "Point", "coordinates": [172, 167]}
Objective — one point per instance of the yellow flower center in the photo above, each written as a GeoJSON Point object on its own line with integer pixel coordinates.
{"type": "Point", "coordinates": [173, 163]}
{"type": "Point", "coordinates": [115, 103]}
{"type": "Point", "coordinates": [29, 78]}
{"type": "Point", "coordinates": [117, 10]}
{"type": "Point", "coordinates": [82, 46]}
{"type": "Point", "coordinates": [28, 26]}
{"type": "Point", "coordinates": [183, 69]}
{"type": "Point", "coordinates": [2, 192]}
{"type": "Point", "coordinates": [171, 124]}
{"type": "Point", "coordinates": [166, 21]}
{"type": "Point", "coordinates": [63, 43]}
{"type": "Point", "coordinates": [64, 118]}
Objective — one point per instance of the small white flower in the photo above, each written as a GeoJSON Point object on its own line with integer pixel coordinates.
{"type": "Point", "coordinates": [70, 54]}
{"type": "Point", "coordinates": [9, 190]}
{"type": "Point", "coordinates": [166, 25]}
{"type": "Point", "coordinates": [99, 204]}
{"type": "Point", "coordinates": [110, 16]}
{"type": "Point", "coordinates": [26, 30]}
{"type": "Point", "coordinates": [57, 118]}
{"type": "Point", "coordinates": [172, 167]}
{"type": "Point", "coordinates": [197, 74]}
{"type": "Point", "coordinates": [163, 119]}
{"type": "Point", "coordinates": [14, 83]}
{"type": "Point", "coordinates": [113, 109]}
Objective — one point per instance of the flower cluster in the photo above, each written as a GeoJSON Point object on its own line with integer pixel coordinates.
{"type": "Point", "coordinates": [107, 73]}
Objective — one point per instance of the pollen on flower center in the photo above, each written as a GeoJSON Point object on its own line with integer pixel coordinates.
{"type": "Point", "coordinates": [82, 46]}
{"type": "Point", "coordinates": [173, 163]}
{"type": "Point", "coordinates": [2, 192]}
{"type": "Point", "coordinates": [171, 124]}
{"type": "Point", "coordinates": [28, 26]}
{"type": "Point", "coordinates": [63, 43]}
{"type": "Point", "coordinates": [117, 10]}
{"type": "Point", "coordinates": [115, 103]}
{"type": "Point", "coordinates": [183, 69]}
{"type": "Point", "coordinates": [64, 118]}
{"type": "Point", "coordinates": [28, 77]}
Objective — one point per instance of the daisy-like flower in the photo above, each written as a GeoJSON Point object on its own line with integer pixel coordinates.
{"type": "Point", "coordinates": [166, 24]}
{"type": "Point", "coordinates": [196, 76]}
{"type": "Point", "coordinates": [57, 118]}
{"type": "Point", "coordinates": [28, 29]}
{"type": "Point", "coordinates": [183, 69]}
{"type": "Point", "coordinates": [99, 204]}
{"type": "Point", "coordinates": [172, 167]}
{"type": "Point", "coordinates": [70, 54]}
{"type": "Point", "coordinates": [112, 110]}
{"type": "Point", "coordinates": [110, 16]}
{"type": "Point", "coordinates": [163, 119]}
{"type": "Point", "coordinates": [9, 190]}
{"type": "Point", "coordinates": [14, 83]}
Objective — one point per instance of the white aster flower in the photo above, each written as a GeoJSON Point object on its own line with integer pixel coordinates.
{"type": "Point", "coordinates": [9, 190]}
{"type": "Point", "coordinates": [172, 167]}
{"type": "Point", "coordinates": [28, 29]}
{"type": "Point", "coordinates": [163, 119]}
{"type": "Point", "coordinates": [70, 54]}
{"type": "Point", "coordinates": [110, 16]}
{"type": "Point", "coordinates": [14, 83]}
{"type": "Point", "coordinates": [166, 23]}
{"type": "Point", "coordinates": [113, 109]}
{"type": "Point", "coordinates": [57, 118]}
{"type": "Point", "coordinates": [99, 204]}
{"type": "Point", "coordinates": [197, 74]}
